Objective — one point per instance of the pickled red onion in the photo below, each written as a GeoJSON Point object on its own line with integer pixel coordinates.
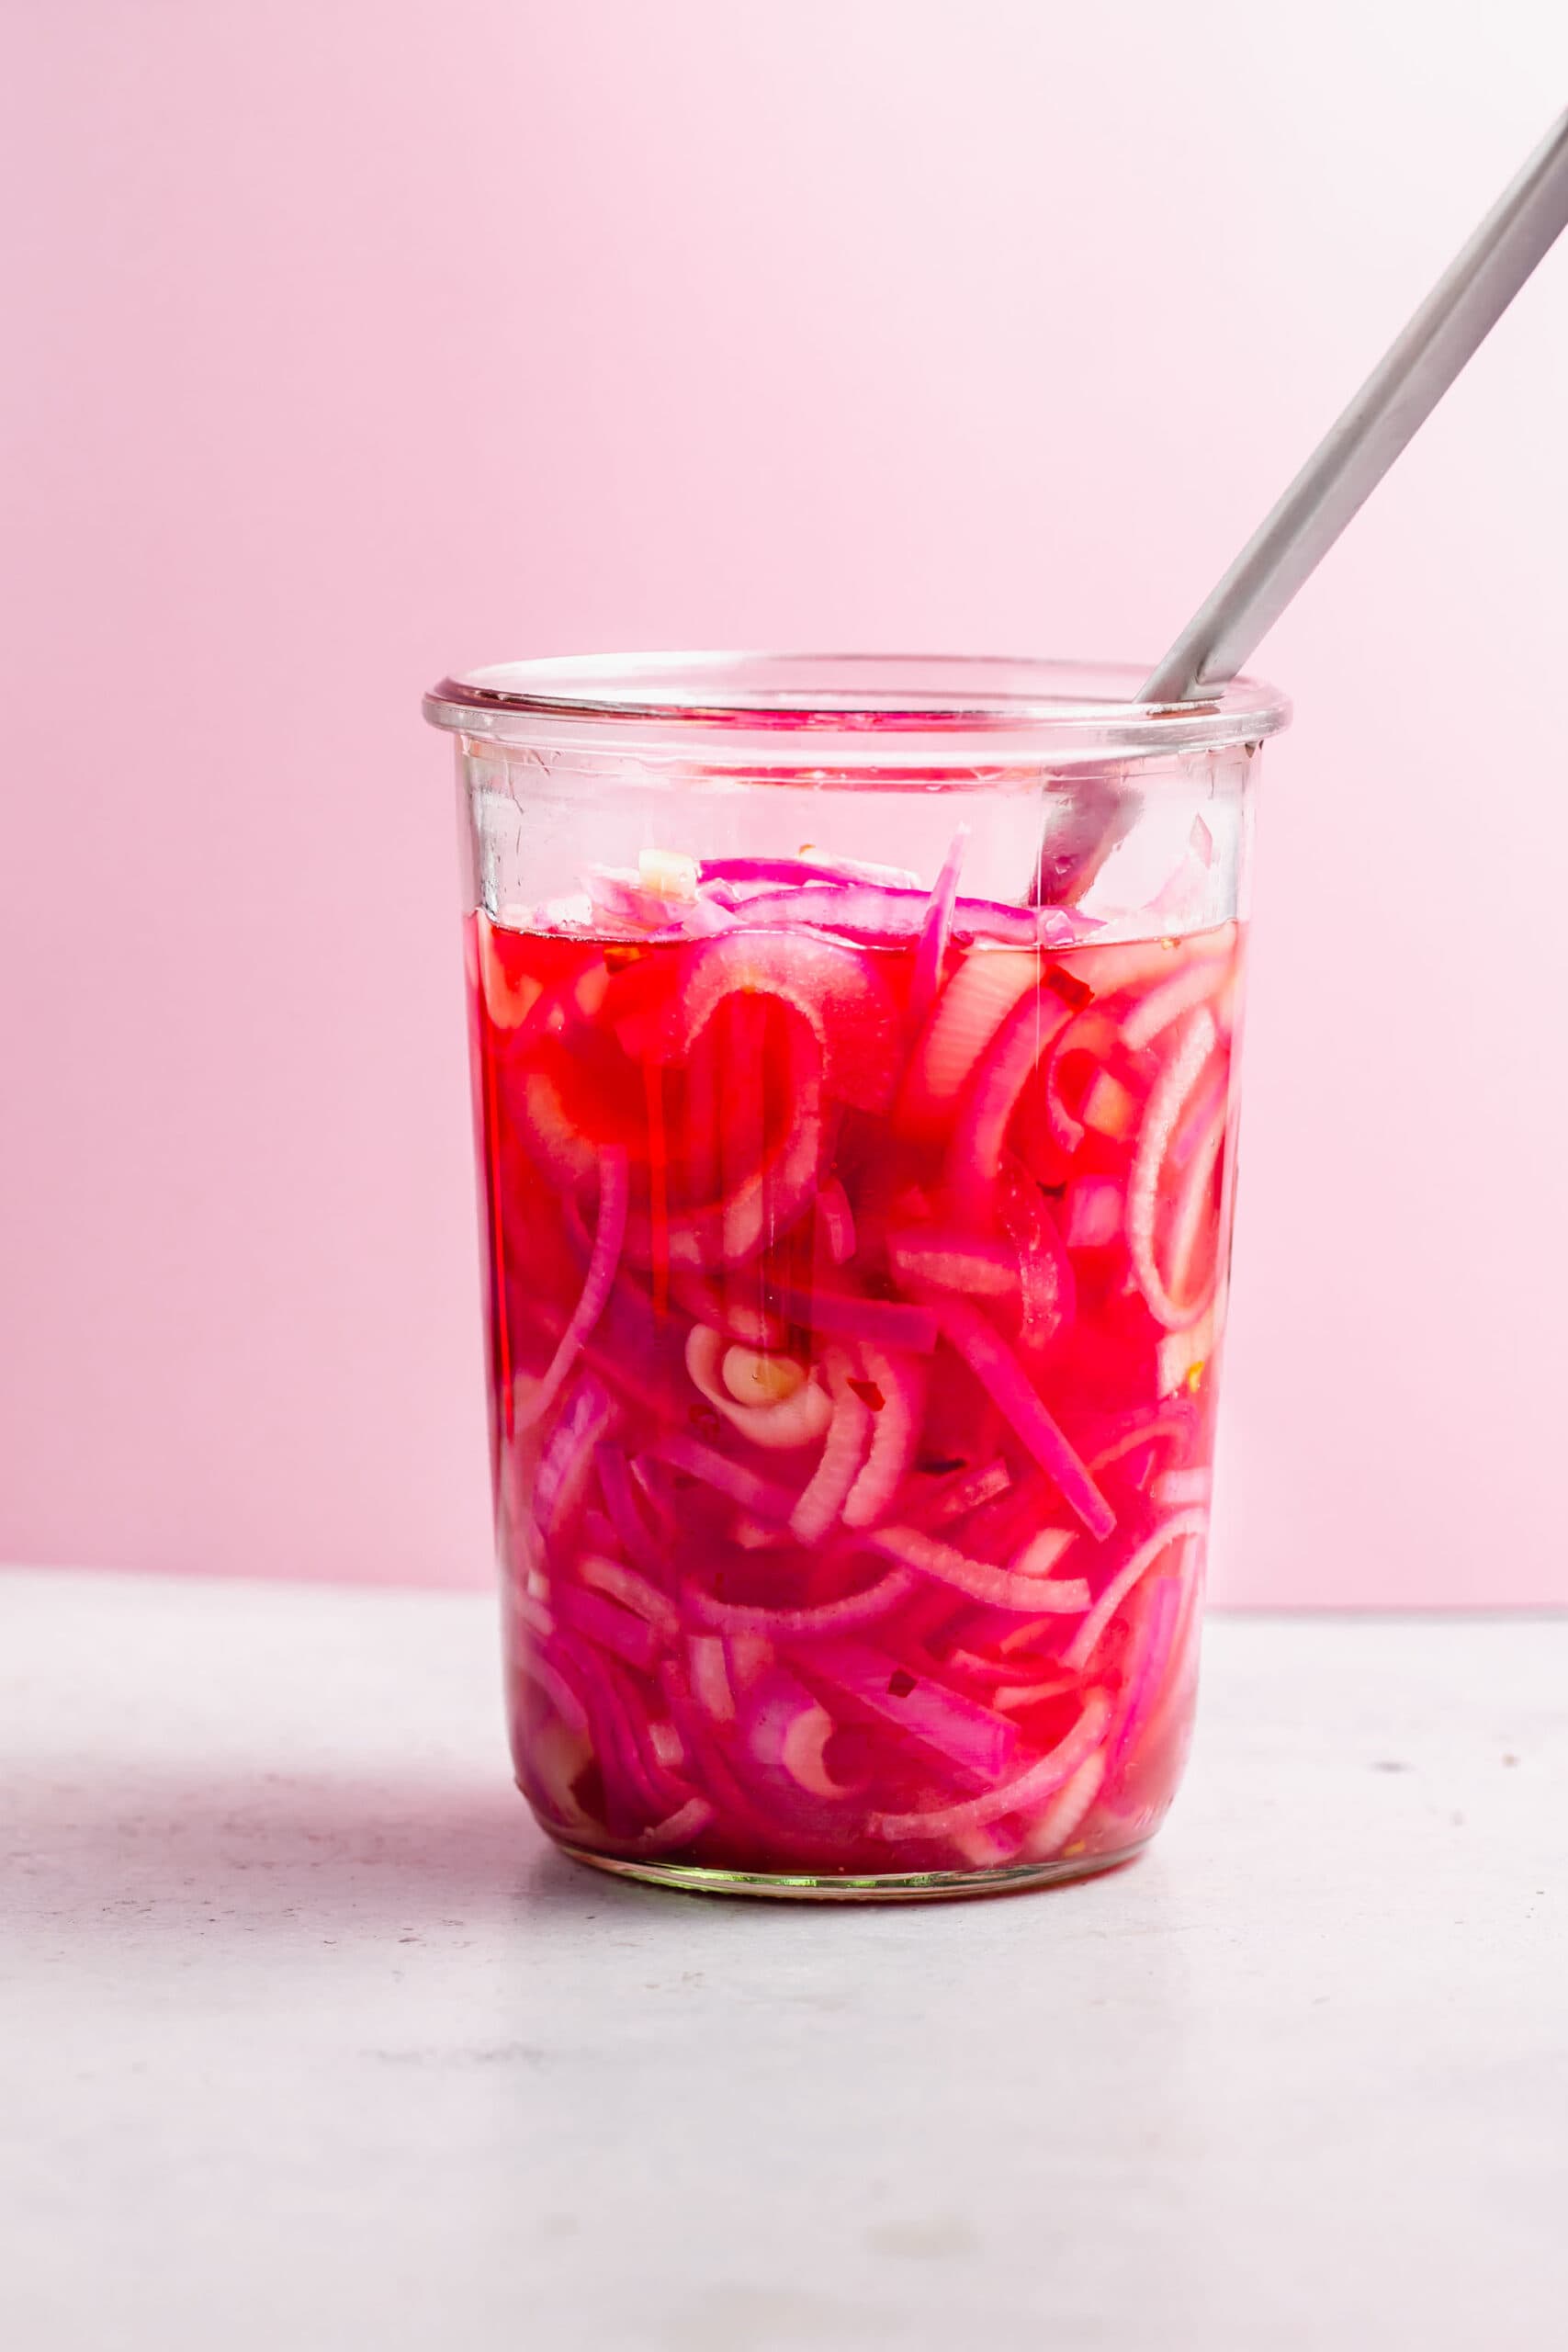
{"type": "Point", "coordinates": [803, 868]}
{"type": "Point", "coordinates": [608, 1235]}
{"type": "Point", "coordinates": [633, 1591]}
{"type": "Point", "coordinates": [998, 1587]}
{"type": "Point", "coordinates": [847, 1314]}
{"type": "Point", "coordinates": [975, 1155]}
{"type": "Point", "coordinates": [843, 1451]}
{"type": "Point", "coordinates": [1042, 1778]}
{"type": "Point", "coordinates": [1191, 1522]}
{"type": "Point", "coordinates": [910, 1261]}
{"type": "Point", "coordinates": [1199, 1040]}
{"type": "Point", "coordinates": [611, 1628]}
{"type": "Point", "coordinates": [794, 1421]}
{"type": "Point", "coordinates": [1066, 1812]}
{"type": "Point", "coordinates": [967, 1016]}
{"type": "Point", "coordinates": [969, 1736]}
{"type": "Point", "coordinates": [838, 1221]}
{"type": "Point", "coordinates": [953, 1261]}
{"type": "Point", "coordinates": [843, 999]}
{"type": "Point", "coordinates": [895, 1431]}
{"type": "Point", "coordinates": [1197, 983]}
{"type": "Point", "coordinates": [930, 953]}
{"type": "Point", "coordinates": [730, 1479]}
{"type": "Point", "coordinates": [852, 1611]}
{"type": "Point", "coordinates": [998, 1370]}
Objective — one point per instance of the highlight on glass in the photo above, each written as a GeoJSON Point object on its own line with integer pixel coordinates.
{"type": "Point", "coordinates": [854, 1046]}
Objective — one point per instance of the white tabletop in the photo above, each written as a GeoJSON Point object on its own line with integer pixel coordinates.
{"type": "Point", "coordinates": [311, 2042]}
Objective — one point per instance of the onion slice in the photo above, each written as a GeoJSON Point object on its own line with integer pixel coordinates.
{"type": "Point", "coordinates": [608, 1236]}
{"type": "Point", "coordinates": [998, 1587]}
{"type": "Point", "coordinates": [1192, 1522]}
{"type": "Point", "coordinates": [1198, 1041]}
{"type": "Point", "coordinates": [999, 1374]}
{"type": "Point", "coordinates": [930, 954]}
{"type": "Point", "coordinates": [957, 1729]}
{"type": "Point", "coordinates": [843, 1451]}
{"type": "Point", "coordinates": [895, 1431]}
{"type": "Point", "coordinates": [1042, 1780]}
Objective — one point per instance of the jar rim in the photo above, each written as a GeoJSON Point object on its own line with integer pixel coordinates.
{"type": "Point", "coordinates": [1005, 708]}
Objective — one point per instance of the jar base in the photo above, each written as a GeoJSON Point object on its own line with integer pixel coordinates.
{"type": "Point", "coordinates": [893, 1886]}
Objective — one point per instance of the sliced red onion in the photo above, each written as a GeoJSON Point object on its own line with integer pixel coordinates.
{"type": "Point", "coordinates": [896, 1421]}
{"type": "Point", "coordinates": [843, 1451]}
{"type": "Point", "coordinates": [787, 1731]}
{"type": "Point", "coordinates": [624, 1510]}
{"type": "Point", "coordinates": [1012, 1698]}
{"type": "Point", "coordinates": [1047, 1285]}
{"type": "Point", "coordinates": [838, 1222]}
{"type": "Point", "coordinates": [1114, 968]}
{"type": "Point", "coordinates": [930, 954]}
{"type": "Point", "coordinates": [1173, 1488]}
{"type": "Point", "coordinates": [1163, 1425]}
{"type": "Point", "coordinates": [999, 1374]}
{"type": "Point", "coordinates": [952, 1260]}
{"type": "Point", "coordinates": [633, 1591]}
{"type": "Point", "coordinates": [1019, 1795]}
{"type": "Point", "coordinates": [998, 1587]}
{"type": "Point", "coordinates": [765, 1204]}
{"type": "Point", "coordinates": [608, 1235]}
{"type": "Point", "coordinates": [975, 1155]}
{"type": "Point", "coordinates": [958, 1496]}
{"type": "Point", "coordinates": [1042, 1554]}
{"type": "Point", "coordinates": [967, 1014]}
{"type": "Point", "coordinates": [1089, 1031]}
{"type": "Point", "coordinates": [1199, 980]}
{"type": "Point", "coordinates": [794, 1421]}
{"type": "Point", "coordinates": [1192, 1522]}
{"type": "Point", "coordinates": [1191, 1209]}
{"type": "Point", "coordinates": [509, 997]}
{"type": "Point", "coordinates": [879, 1322]}
{"type": "Point", "coordinates": [803, 869]}
{"type": "Point", "coordinates": [567, 1458]}
{"type": "Point", "coordinates": [1183, 1354]}
{"type": "Point", "coordinates": [1067, 1810]}
{"type": "Point", "coordinates": [1147, 1662]}
{"type": "Point", "coordinates": [1198, 1041]}
{"type": "Point", "coordinates": [1096, 1207]}
{"type": "Point", "coordinates": [836, 992]}
{"type": "Point", "coordinates": [709, 1678]}
{"type": "Point", "coordinates": [922, 1709]}
{"type": "Point", "coordinates": [823, 1618]}
{"type": "Point", "coordinates": [872, 914]}
{"type": "Point", "coordinates": [610, 1628]}
{"type": "Point", "coordinates": [772, 1185]}
{"type": "Point", "coordinates": [741, 1485]}
{"type": "Point", "coordinates": [708, 1302]}
{"type": "Point", "coordinates": [633, 1777]}
{"type": "Point", "coordinates": [1013, 926]}
{"type": "Point", "coordinates": [562, 1698]}
{"type": "Point", "coordinates": [677, 1829]}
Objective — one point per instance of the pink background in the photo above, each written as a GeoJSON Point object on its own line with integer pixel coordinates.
{"type": "Point", "coordinates": [370, 337]}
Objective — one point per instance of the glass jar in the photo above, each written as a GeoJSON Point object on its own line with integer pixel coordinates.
{"type": "Point", "coordinates": [854, 1052]}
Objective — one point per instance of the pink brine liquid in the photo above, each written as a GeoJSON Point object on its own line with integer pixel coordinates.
{"type": "Point", "coordinates": [853, 1303]}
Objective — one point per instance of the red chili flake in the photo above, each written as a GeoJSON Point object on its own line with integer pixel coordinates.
{"type": "Point", "coordinates": [703, 1418]}
{"type": "Point", "coordinates": [869, 1393]}
{"type": "Point", "coordinates": [1068, 987]}
{"type": "Point", "coordinates": [900, 1684]}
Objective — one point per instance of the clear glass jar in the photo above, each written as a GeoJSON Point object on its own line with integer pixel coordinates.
{"type": "Point", "coordinates": [854, 1052]}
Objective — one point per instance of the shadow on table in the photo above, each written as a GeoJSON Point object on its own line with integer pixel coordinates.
{"type": "Point", "coordinates": [297, 1855]}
